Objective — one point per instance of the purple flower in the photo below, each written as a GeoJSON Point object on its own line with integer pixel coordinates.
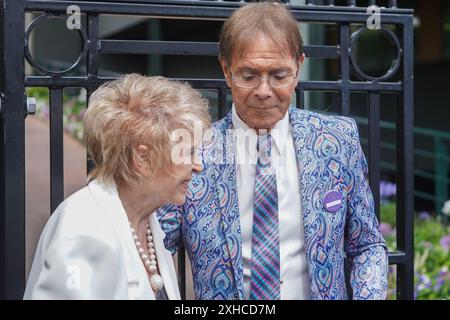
{"type": "Point", "coordinates": [387, 190]}
{"type": "Point", "coordinates": [424, 283]}
{"type": "Point", "coordinates": [386, 229]}
{"type": "Point", "coordinates": [445, 242]}
{"type": "Point", "coordinates": [443, 272]}
{"type": "Point", "coordinates": [424, 215]}
{"type": "Point", "coordinates": [424, 279]}
{"type": "Point", "coordinates": [439, 283]}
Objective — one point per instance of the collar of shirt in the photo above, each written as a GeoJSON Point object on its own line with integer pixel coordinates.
{"type": "Point", "coordinates": [280, 132]}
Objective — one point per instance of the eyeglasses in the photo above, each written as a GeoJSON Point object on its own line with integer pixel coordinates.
{"type": "Point", "coordinates": [252, 80]}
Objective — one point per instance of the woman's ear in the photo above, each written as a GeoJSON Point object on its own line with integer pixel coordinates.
{"type": "Point", "coordinates": [141, 160]}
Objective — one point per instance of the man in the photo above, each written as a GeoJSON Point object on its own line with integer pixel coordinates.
{"type": "Point", "coordinates": [277, 217]}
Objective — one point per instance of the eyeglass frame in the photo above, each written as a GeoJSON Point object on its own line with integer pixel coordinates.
{"type": "Point", "coordinates": [261, 77]}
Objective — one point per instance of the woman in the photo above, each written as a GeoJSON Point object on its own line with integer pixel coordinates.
{"type": "Point", "coordinates": [103, 242]}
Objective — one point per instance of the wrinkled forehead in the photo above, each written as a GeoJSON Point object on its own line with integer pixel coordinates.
{"type": "Point", "coordinates": [261, 46]}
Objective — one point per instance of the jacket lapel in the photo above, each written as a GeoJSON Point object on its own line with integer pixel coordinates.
{"type": "Point", "coordinates": [227, 202]}
{"type": "Point", "coordinates": [107, 197]}
{"type": "Point", "coordinates": [138, 285]}
{"type": "Point", "coordinates": [303, 135]}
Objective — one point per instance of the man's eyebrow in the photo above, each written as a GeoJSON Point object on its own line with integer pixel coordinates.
{"type": "Point", "coordinates": [248, 69]}
{"type": "Point", "coordinates": [277, 70]}
{"type": "Point", "coordinates": [282, 69]}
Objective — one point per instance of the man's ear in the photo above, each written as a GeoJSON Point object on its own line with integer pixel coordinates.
{"type": "Point", "coordinates": [300, 61]}
{"type": "Point", "coordinates": [226, 71]}
{"type": "Point", "coordinates": [140, 160]}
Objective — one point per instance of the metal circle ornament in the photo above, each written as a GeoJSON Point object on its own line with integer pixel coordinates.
{"type": "Point", "coordinates": [40, 68]}
{"type": "Point", "coordinates": [396, 60]}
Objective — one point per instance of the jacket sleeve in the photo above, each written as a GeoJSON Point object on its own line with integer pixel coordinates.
{"type": "Point", "coordinates": [364, 244]}
{"type": "Point", "coordinates": [76, 268]}
{"type": "Point", "coordinates": [170, 219]}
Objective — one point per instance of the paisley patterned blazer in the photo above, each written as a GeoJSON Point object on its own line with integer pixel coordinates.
{"type": "Point", "coordinates": [329, 157]}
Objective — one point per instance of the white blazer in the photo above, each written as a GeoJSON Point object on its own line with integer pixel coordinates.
{"type": "Point", "coordinates": [87, 251]}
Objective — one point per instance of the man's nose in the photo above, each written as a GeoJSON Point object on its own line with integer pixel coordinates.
{"type": "Point", "coordinates": [264, 90]}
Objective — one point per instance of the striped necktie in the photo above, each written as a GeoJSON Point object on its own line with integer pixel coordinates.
{"type": "Point", "coordinates": [265, 266]}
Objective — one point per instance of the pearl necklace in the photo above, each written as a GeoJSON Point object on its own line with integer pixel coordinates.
{"type": "Point", "coordinates": [156, 280]}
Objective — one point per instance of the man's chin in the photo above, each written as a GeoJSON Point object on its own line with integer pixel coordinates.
{"type": "Point", "coordinates": [179, 200]}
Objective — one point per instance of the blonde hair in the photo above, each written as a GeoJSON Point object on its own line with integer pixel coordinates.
{"type": "Point", "coordinates": [271, 19]}
{"type": "Point", "coordinates": [138, 110]}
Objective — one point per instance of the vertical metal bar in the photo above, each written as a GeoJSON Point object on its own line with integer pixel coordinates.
{"type": "Point", "coordinates": [374, 149]}
{"type": "Point", "coordinates": [181, 259]}
{"type": "Point", "coordinates": [393, 3]}
{"type": "Point", "coordinates": [56, 148]}
{"type": "Point", "coordinates": [222, 99]}
{"type": "Point", "coordinates": [92, 57]}
{"type": "Point", "coordinates": [12, 156]}
{"type": "Point", "coordinates": [90, 165]}
{"type": "Point", "coordinates": [154, 61]}
{"type": "Point", "coordinates": [92, 65]}
{"type": "Point", "coordinates": [300, 96]}
{"type": "Point", "coordinates": [405, 176]}
{"type": "Point", "coordinates": [351, 3]}
{"type": "Point", "coordinates": [3, 243]}
{"type": "Point", "coordinates": [345, 69]}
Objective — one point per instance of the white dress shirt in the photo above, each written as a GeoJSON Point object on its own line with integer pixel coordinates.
{"type": "Point", "coordinates": [293, 265]}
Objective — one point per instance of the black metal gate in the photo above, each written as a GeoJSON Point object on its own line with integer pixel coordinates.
{"type": "Point", "coordinates": [14, 49]}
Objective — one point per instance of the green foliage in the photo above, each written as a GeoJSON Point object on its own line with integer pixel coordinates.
{"type": "Point", "coordinates": [387, 213]}
{"type": "Point", "coordinates": [432, 254]}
